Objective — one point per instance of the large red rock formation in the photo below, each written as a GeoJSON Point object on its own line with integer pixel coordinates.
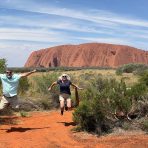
{"type": "Point", "coordinates": [86, 55]}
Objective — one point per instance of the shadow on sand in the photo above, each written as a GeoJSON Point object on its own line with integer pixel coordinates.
{"type": "Point", "coordinates": [21, 129]}
{"type": "Point", "coordinates": [68, 123]}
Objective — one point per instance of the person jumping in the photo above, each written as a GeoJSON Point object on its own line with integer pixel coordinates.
{"type": "Point", "coordinates": [65, 93]}
{"type": "Point", "coordinates": [10, 82]}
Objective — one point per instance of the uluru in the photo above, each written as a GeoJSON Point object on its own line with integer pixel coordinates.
{"type": "Point", "coordinates": [87, 55]}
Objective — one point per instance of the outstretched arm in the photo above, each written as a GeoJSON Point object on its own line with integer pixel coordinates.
{"type": "Point", "coordinates": [75, 86]}
{"type": "Point", "coordinates": [51, 86]}
{"type": "Point", "coordinates": [28, 73]}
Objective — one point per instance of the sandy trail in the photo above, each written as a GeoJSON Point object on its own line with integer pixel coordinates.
{"type": "Point", "coordinates": [51, 130]}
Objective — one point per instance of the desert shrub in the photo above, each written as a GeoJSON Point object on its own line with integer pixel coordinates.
{"type": "Point", "coordinates": [87, 76]}
{"type": "Point", "coordinates": [119, 71]}
{"type": "Point", "coordinates": [45, 103]}
{"type": "Point", "coordinates": [23, 85]}
{"type": "Point", "coordinates": [144, 125]}
{"type": "Point", "coordinates": [40, 86]}
{"type": "Point", "coordinates": [131, 68]}
{"type": "Point", "coordinates": [41, 83]}
{"type": "Point", "coordinates": [137, 91]}
{"type": "Point", "coordinates": [144, 78]}
{"type": "Point", "coordinates": [102, 99]}
{"type": "Point", "coordinates": [90, 114]}
{"type": "Point", "coordinates": [83, 116]}
{"type": "Point", "coordinates": [2, 70]}
{"type": "Point", "coordinates": [126, 126]}
{"type": "Point", "coordinates": [141, 70]}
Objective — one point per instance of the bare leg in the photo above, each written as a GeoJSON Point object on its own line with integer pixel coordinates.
{"type": "Point", "coordinates": [62, 106]}
{"type": "Point", "coordinates": [69, 104]}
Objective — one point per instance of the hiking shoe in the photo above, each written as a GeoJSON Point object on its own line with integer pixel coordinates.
{"type": "Point", "coordinates": [62, 112]}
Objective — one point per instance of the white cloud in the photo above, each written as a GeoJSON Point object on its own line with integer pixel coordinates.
{"type": "Point", "coordinates": [97, 16]}
{"type": "Point", "coordinates": [29, 35]}
{"type": "Point", "coordinates": [65, 24]}
{"type": "Point", "coordinates": [106, 40]}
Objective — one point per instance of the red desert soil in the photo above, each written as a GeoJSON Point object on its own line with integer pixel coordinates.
{"type": "Point", "coordinates": [51, 130]}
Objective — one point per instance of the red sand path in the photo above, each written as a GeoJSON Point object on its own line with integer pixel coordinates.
{"type": "Point", "coordinates": [51, 130]}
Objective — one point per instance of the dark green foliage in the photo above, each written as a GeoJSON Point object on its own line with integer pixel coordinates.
{"type": "Point", "coordinates": [137, 91]}
{"type": "Point", "coordinates": [144, 78]}
{"type": "Point", "coordinates": [119, 71]}
{"type": "Point", "coordinates": [131, 68]}
{"type": "Point", "coordinates": [102, 99]}
{"type": "Point", "coordinates": [83, 115]}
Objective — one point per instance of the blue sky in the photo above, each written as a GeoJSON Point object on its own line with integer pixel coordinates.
{"type": "Point", "coordinates": [29, 25]}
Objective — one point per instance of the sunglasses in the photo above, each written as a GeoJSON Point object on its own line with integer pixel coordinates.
{"type": "Point", "coordinates": [8, 72]}
{"type": "Point", "coordinates": [64, 76]}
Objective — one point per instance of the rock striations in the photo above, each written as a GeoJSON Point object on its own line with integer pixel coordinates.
{"type": "Point", "coordinates": [87, 55]}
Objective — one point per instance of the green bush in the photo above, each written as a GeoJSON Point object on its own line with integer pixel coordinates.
{"type": "Point", "coordinates": [131, 68]}
{"type": "Point", "coordinates": [101, 99]}
{"type": "Point", "coordinates": [144, 78]}
{"type": "Point", "coordinates": [23, 85]}
{"type": "Point", "coordinates": [119, 71]}
{"type": "Point", "coordinates": [137, 91]}
{"type": "Point", "coordinates": [144, 125]}
{"type": "Point", "coordinates": [84, 117]}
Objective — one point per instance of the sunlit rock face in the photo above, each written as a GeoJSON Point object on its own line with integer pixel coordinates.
{"type": "Point", "coordinates": [87, 55]}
